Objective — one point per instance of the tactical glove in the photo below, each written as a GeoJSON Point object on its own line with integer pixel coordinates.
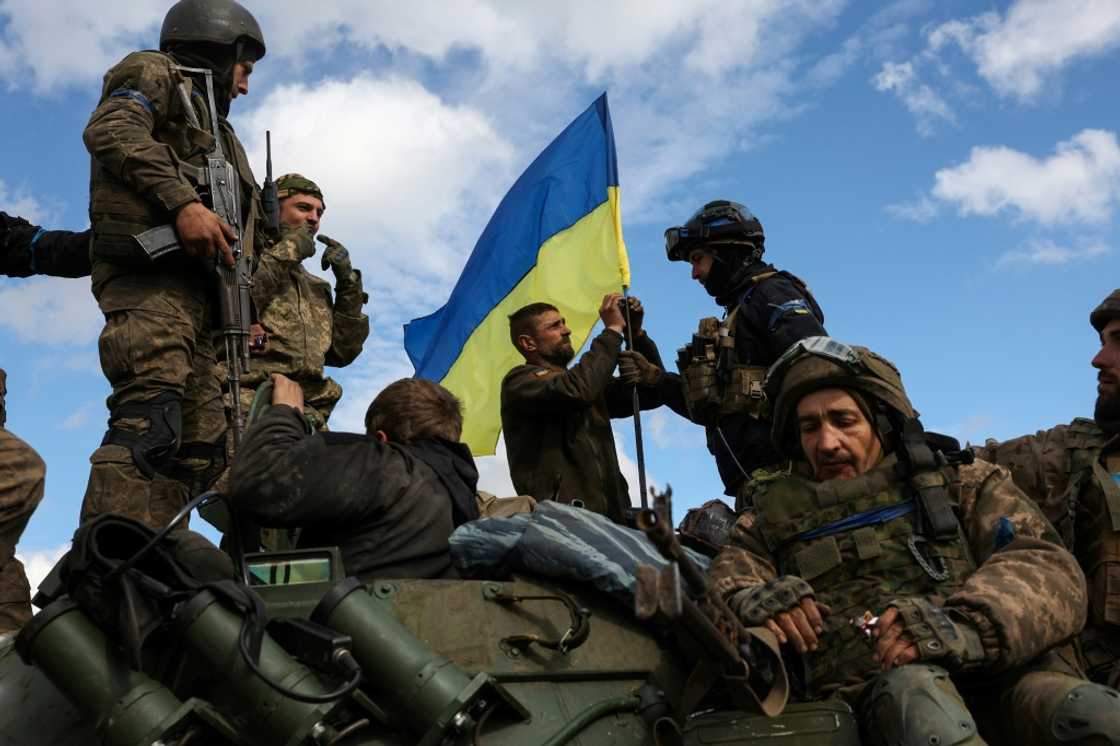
{"type": "Point", "coordinates": [337, 258]}
{"type": "Point", "coordinates": [635, 370]}
{"type": "Point", "coordinates": [755, 605]}
{"type": "Point", "coordinates": [954, 643]}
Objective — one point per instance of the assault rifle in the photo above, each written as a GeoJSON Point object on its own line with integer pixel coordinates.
{"type": "Point", "coordinates": [741, 658]}
{"type": "Point", "coordinates": [220, 188]}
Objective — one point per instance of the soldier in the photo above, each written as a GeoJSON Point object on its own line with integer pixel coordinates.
{"type": "Point", "coordinates": [388, 499]}
{"type": "Point", "coordinates": [305, 328]}
{"type": "Point", "coordinates": [27, 249]}
{"type": "Point", "coordinates": [21, 488]}
{"type": "Point", "coordinates": [557, 421]}
{"type": "Point", "coordinates": [765, 311]}
{"type": "Point", "coordinates": [1073, 473]}
{"type": "Point", "coordinates": [933, 627]}
{"type": "Point", "coordinates": [149, 139]}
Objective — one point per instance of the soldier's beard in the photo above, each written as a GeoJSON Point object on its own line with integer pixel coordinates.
{"type": "Point", "coordinates": [1107, 413]}
{"type": "Point", "coordinates": [561, 355]}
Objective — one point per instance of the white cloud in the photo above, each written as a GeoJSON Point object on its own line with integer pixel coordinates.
{"type": "Point", "coordinates": [1036, 39]}
{"type": "Point", "coordinates": [493, 472]}
{"type": "Point", "coordinates": [22, 203]}
{"type": "Point", "coordinates": [38, 562]}
{"type": "Point", "coordinates": [64, 42]}
{"type": "Point", "coordinates": [1047, 253]}
{"type": "Point", "coordinates": [50, 311]}
{"type": "Point", "coordinates": [1080, 182]}
{"type": "Point", "coordinates": [399, 169]}
{"type": "Point", "coordinates": [921, 210]}
{"type": "Point", "coordinates": [927, 106]}
{"type": "Point", "coordinates": [79, 417]}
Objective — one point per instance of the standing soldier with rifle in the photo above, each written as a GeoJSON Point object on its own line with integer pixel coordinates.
{"type": "Point", "coordinates": [173, 207]}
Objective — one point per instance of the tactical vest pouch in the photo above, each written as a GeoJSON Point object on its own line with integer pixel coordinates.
{"type": "Point", "coordinates": [827, 723]}
{"type": "Point", "coordinates": [743, 392]}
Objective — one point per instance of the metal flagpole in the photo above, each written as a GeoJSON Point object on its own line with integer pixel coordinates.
{"type": "Point", "coordinates": [637, 408]}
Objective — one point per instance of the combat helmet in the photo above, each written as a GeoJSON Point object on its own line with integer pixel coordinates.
{"type": "Point", "coordinates": [816, 363]}
{"type": "Point", "coordinates": [1108, 310]}
{"type": "Point", "coordinates": [719, 223]}
{"type": "Point", "coordinates": [222, 22]}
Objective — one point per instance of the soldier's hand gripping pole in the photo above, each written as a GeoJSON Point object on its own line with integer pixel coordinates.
{"type": "Point", "coordinates": [638, 446]}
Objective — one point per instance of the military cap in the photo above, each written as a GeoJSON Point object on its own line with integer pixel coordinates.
{"type": "Point", "coordinates": [816, 363]}
{"type": "Point", "coordinates": [290, 184]}
{"type": "Point", "coordinates": [1108, 310]}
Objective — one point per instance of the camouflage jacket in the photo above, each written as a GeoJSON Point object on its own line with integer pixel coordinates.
{"type": "Point", "coordinates": [1061, 469]}
{"type": "Point", "coordinates": [557, 426]}
{"type": "Point", "coordinates": [307, 329]}
{"type": "Point", "coordinates": [1025, 595]}
{"type": "Point", "coordinates": [148, 159]}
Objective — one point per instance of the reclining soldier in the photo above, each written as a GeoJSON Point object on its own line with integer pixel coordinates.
{"type": "Point", "coordinates": [921, 587]}
{"type": "Point", "coordinates": [1073, 473]}
{"type": "Point", "coordinates": [388, 499]}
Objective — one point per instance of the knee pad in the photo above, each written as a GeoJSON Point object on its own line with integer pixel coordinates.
{"type": "Point", "coordinates": [916, 705]}
{"type": "Point", "coordinates": [1089, 714]}
{"type": "Point", "coordinates": [151, 450]}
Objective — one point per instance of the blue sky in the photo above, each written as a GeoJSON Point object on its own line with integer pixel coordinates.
{"type": "Point", "coordinates": [945, 176]}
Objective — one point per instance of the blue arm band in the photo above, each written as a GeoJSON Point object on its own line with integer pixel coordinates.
{"type": "Point", "coordinates": [134, 95]}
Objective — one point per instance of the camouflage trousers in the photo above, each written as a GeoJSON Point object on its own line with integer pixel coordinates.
{"type": "Point", "coordinates": [1017, 708]}
{"type": "Point", "coordinates": [157, 341]}
{"type": "Point", "coordinates": [319, 396]}
{"type": "Point", "coordinates": [21, 488]}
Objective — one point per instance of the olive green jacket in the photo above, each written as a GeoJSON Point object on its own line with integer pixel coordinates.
{"type": "Point", "coordinates": [147, 159]}
{"type": "Point", "coordinates": [557, 426]}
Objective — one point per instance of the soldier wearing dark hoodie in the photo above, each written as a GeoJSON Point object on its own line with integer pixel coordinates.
{"type": "Point", "coordinates": [388, 499]}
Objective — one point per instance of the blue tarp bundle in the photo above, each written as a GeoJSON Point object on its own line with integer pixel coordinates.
{"type": "Point", "coordinates": [561, 542]}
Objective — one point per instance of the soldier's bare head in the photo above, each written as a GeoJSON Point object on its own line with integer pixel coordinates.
{"type": "Point", "coordinates": [541, 335]}
{"type": "Point", "coordinates": [836, 435]}
{"type": "Point", "coordinates": [414, 409]}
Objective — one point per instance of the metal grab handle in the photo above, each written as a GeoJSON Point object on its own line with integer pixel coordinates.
{"type": "Point", "coordinates": [576, 634]}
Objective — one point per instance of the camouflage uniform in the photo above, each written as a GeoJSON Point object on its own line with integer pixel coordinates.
{"type": "Point", "coordinates": [557, 425]}
{"type": "Point", "coordinates": [306, 329]}
{"type": "Point", "coordinates": [21, 488]}
{"type": "Point", "coordinates": [1001, 586]}
{"type": "Point", "coordinates": [167, 426]}
{"type": "Point", "coordinates": [1063, 470]}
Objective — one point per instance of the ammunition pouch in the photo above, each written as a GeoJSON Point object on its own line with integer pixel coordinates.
{"type": "Point", "coordinates": [153, 449]}
{"type": "Point", "coordinates": [715, 384]}
{"type": "Point", "coordinates": [756, 605]}
{"type": "Point", "coordinates": [937, 636]}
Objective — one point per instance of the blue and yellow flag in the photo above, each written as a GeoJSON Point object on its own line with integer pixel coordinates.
{"type": "Point", "coordinates": [556, 237]}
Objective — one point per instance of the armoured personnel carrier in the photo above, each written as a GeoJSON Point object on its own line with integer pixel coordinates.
{"type": "Point", "coordinates": [509, 660]}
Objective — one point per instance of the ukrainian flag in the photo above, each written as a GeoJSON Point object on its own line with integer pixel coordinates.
{"type": "Point", "coordinates": [555, 237]}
